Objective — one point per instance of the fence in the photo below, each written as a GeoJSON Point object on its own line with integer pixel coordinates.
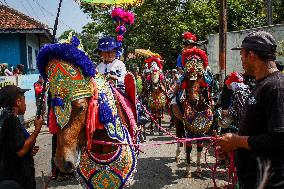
{"type": "Point", "coordinates": [25, 82]}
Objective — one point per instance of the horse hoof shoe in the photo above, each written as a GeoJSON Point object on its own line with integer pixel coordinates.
{"type": "Point", "coordinates": [187, 175]}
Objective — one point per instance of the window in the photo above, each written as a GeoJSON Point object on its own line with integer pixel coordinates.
{"type": "Point", "coordinates": [30, 58]}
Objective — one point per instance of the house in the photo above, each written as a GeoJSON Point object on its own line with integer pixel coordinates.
{"type": "Point", "coordinates": [21, 38]}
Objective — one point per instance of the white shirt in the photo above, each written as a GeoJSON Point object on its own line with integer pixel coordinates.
{"type": "Point", "coordinates": [116, 68]}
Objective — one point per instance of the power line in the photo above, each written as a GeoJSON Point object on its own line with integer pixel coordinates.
{"type": "Point", "coordinates": [51, 14]}
{"type": "Point", "coordinates": [41, 12]}
{"type": "Point", "coordinates": [26, 8]}
{"type": "Point", "coordinates": [33, 10]}
{"type": "Point", "coordinates": [5, 2]}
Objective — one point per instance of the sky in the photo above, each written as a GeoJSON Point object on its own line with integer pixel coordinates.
{"type": "Point", "coordinates": [71, 17]}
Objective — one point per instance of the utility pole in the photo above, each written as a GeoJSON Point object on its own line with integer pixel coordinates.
{"type": "Point", "coordinates": [269, 12]}
{"type": "Point", "coordinates": [222, 40]}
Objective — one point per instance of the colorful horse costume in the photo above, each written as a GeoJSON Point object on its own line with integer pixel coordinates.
{"type": "Point", "coordinates": [86, 113]}
{"type": "Point", "coordinates": [196, 100]}
{"type": "Point", "coordinates": [155, 88]}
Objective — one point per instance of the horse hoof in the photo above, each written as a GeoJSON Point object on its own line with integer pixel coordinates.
{"type": "Point", "coordinates": [198, 172]}
{"type": "Point", "coordinates": [187, 175]}
{"type": "Point", "coordinates": [177, 159]}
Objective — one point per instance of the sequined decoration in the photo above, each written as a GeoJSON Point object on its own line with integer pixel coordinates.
{"type": "Point", "coordinates": [198, 122]}
{"type": "Point", "coordinates": [114, 170]}
{"type": "Point", "coordinates": [67, 83]}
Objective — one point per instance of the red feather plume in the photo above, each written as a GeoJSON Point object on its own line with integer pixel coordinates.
{"type": "Point", "coordinates": [154, 59]}
{"type": "Point", "coordinates": [195, 52]}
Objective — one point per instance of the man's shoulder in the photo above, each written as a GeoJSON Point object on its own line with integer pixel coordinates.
{"type": "Point", "coordinates": [274, 81]}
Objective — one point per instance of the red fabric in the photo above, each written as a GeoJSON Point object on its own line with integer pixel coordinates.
{"type": "Point", "coordinates": [188, 35]}
{"type": "Point", "coordinates": [161, 77]}
{"type": "Point", "coordinates": [234, 77]}
{"type": "Point", "coordinates": [130, 111]}
{"type": "Point", "coordinates": [93, 122]}
{"type": "Point", "coordinates": [149, 78]}
{"type": "Point", "coordinates": [53, 126]}
{"type": "Point", "coordinates": [38, 88]}
{"type": "Point", "coordinates": [154, 59]}
{"type": "Point", "coordinates": [184, 85]}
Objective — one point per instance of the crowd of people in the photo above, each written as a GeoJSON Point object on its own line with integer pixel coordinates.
{"type": "Point", "coordinates": [12, 71]}
{"type": "Point", "coordinates": [248, 118]}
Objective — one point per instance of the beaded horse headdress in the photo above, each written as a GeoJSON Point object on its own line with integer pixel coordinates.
{"type": "Point", "coordinates": [154, 63]}
{"type": "Point", "coordinates": [195, 62]}
{"type": "Point", "coordinates": [69, 71]}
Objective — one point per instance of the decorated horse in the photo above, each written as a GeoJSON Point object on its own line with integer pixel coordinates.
{"type": "Point", "coordinates": [155, 90]}
{"type": "Point", "coordinates": [87, 114]}
{"type": "Point", "coordinates": [195, 102]}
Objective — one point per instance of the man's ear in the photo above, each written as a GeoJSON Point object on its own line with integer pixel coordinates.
{"type": "Point", "coordinates": [18, 101]}
{"type": "Point", "coordinates": [251, 56]}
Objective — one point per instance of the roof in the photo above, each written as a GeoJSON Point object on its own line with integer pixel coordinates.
{"type": "Point", "coordinates": [13, 21]}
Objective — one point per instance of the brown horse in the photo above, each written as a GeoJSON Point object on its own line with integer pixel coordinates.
{"type": "Point", "coordinates": [195, 102]}
{"type": "Point", "coordinates": [87, 113]}
{"type": "Point", "coordinates": [155, 90]}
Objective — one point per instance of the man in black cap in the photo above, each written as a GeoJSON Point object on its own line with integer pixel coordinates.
{"type": "Point", "coordinates": [261, 134]}
{"type": "Point", "coordinates": [16, 144]}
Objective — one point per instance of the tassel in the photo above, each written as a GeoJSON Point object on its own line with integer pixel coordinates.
{"type": "Point", "coordinates": [53, 126]}
{"type": "Point", "coordinates": [105, 112]}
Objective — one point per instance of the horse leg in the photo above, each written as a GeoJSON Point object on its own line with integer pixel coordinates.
{"type": "Point", "coordinates": [188, 153]}
{"type": "Point", "coordinates": [199, 150]}
{"type": "Point", "coordinates": [160, 122]}
{"type": "Point", "coordinates": [179, 134]}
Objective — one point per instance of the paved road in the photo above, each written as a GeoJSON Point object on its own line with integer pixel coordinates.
{"type": "Point", "coordinates": [157, 168]}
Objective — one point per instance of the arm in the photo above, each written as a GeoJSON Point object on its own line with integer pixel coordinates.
{"type": "Point", "coordinates": [29, 142]}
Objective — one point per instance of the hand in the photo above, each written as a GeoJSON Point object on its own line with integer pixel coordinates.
{"type": "Point", "coordinates": [113, 77]}
{"type": "Point", "coordinates": [229, 142]}
{"type": "Point", "coordinates": [34, 150]}
{"type": "Point", "coordinates": [38, 124]}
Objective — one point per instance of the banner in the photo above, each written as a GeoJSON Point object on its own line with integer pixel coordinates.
{"type": "Point", "coordinates": [7, 80]}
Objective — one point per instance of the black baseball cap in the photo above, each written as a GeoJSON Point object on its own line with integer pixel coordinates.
{"type": "Point", "coordinates": [260, 41]}
{"type": "Point", "coordinates": [8, 95]}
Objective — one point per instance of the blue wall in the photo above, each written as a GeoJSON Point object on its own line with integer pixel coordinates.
{"type": "Point", "coordinates": [10, 49]}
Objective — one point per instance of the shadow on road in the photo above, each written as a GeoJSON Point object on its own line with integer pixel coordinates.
{"type": "Point", "coordinates": [154, 173]}
{"type": "Point", "coordinates": [54, 183]}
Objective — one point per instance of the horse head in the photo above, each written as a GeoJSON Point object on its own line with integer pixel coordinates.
{"type": "Point", "coordinates": [155, 67]}
{"type": "Point", "coordinates": [85, 109]}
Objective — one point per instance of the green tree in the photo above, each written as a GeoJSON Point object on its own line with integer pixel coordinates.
{"type": "Point", "coordinates": [160, 23]}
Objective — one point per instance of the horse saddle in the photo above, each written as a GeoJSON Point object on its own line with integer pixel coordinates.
{"type": "Point", "coordinates": [128, 102]}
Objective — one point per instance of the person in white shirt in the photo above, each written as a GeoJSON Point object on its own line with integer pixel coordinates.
{"type": "Point", "coordinates": [111, 66]}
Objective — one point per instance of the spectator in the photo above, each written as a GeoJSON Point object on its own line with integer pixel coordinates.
{"type": "Point", "coordinates": [235, 82]}
{"type": "Point", "coordinates": [38, 86]}
{"type": "Point", "coordinates": [16, 144]}
{"type": "Point", "coordinates": [21, 68]}
{"type": "Point", "coordinates": [261, 132]}
{"type": "Point", "coordinates": [16, 72]}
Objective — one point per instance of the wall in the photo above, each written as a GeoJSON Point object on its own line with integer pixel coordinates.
{"type": "Point", "coordinates": [234, 39]}
{"type": "Point", "coordinates": [24, 82]}
{"type": "Point", "coordinates": [10, 49]}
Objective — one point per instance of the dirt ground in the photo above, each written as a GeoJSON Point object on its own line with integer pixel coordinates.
{"type": "Point", "coordinates": [156, 167]}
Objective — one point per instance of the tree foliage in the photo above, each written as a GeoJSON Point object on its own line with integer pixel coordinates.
{"type": "Point", "coordinates": [160, 23]}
